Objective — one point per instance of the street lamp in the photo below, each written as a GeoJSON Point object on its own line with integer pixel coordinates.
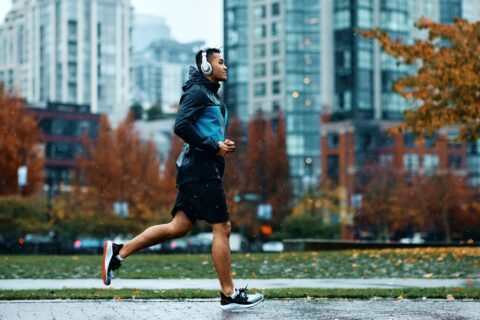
{"type": "Point", "coordinates": [309, 164]}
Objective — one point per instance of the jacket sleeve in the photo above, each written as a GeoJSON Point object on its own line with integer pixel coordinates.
{"type": "Point", "coordinates": [191, 104]}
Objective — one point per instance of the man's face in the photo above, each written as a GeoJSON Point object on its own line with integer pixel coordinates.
{"type": "Point", "coordinates": [219, 68]}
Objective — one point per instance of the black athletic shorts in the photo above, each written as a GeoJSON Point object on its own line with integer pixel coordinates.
{"type": "Point", "coordinates": [202, 200]}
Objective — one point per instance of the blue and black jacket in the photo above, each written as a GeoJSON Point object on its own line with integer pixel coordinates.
{"type": "Point", "coordinates": [201, 122]}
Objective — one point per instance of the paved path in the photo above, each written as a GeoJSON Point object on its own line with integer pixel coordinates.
{"type": "Point", "coordinates": [17, 284]}
{"type": "Point", "coordinates": [300, 309]}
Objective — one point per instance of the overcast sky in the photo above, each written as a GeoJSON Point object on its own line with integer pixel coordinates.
{"type": "Point", "coordinates": [188, 20]}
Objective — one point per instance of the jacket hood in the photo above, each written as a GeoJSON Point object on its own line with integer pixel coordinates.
{"type": "Point", "coordinates": [194, 77]}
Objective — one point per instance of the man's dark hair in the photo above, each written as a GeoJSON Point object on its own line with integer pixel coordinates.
{"type": "Point", "coordinates": [198, 56]}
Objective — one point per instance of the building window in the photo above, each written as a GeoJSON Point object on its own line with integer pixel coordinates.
{"type": "Point", "coordinates": [259, 50]}
{"type": "Point", "coordinates": [332, 167]}
{"type": "Point", "coordinates": [276, 28]}
{"type": "Point", "coordinates": [411, 162]}
{"type": "Point", "coordinates": [260, 31]}
{"type": "Point", "coordinates": [365, 59]}
{"type": "Point", "coordinates": [259, 70]}
{"type": "Point", "coordinates": [430, 163]}
{"type": "Point", "coordinates": [409, 140]}
{"type": "Point", "coordinates": [259, 12]}
{"type": "Point", "coordinates": [276, 105]}
{"type": "Point", "coordinates": [345, 100]}
{"type": "Point", "coordinates": [455, 161]}
{"type": "Point", "coordinates": [275, 9]}
{"type": "Point", "coordinates": [386, 160]}
{"type": "Point", "coordinates": [275, 48]}
{"type": "Point", "coordinates": [332, 140]}
{"type": "Point", "coordinates": [395, 21]}
{"type": "Point", "coordinates": [364, 18]}
{"type": "Point", "coordinates": [342, 19]}
{"type": "Point", "coordinates": [259, 89]}
{"type": "Point", "coordinates": [276, 67]}
{"type": "Point", "coordinates": [276, 87]}
{"type": "Point", "coordinates": [295, 144]}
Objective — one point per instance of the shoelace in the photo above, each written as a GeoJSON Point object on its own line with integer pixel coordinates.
{"type": "Point", "coordinates": [243, 292]}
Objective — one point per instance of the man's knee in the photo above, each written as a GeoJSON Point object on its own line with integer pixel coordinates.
{"type": "Point", "coordinates": [178, 230]}
{"type": "Point", "coordinates": [223, 228]}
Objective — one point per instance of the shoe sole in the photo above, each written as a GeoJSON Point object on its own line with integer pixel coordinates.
{"type": "Point", "coordinates": [107, 256]}
{"type": "Point", "coordinates": [234, 306]}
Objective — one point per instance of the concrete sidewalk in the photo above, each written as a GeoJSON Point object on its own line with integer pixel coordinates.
{"type": "Point", "coordinates": [155, 284]}
{"type": "Point", "coordinates": [201, 309]}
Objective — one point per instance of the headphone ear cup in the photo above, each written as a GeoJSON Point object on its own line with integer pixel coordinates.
{"type": "Point", "coordinates": [206, 66]}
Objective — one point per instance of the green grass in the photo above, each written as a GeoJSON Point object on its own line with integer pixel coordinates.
{"type": "Point", "coordinates": [394, 263]}
{"type": "Point", "coordinates": [405, 293]}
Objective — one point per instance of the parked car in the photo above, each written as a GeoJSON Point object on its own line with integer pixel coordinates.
{"type": "Point", "coordinates": [88, 245]}
{"type": "Point", "coordinates": [200, 243]}
{"type": "Point", "coordinates": [272, 246]}
{"type": "Point", "coordinates": [415, 239]}
{"type": "Point", "coordinates": [175, 246]}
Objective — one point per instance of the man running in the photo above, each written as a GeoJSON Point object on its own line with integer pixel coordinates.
{"type": "Point", "coordinates": [201, 122]}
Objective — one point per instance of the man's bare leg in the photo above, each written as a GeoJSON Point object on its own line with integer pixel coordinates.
{"type": "Point", "coordinates": [178, 227]}
{"type": "Point", "coordinates": [221, 256]}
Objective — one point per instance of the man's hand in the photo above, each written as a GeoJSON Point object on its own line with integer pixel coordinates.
{"type": "Point", "coordinates": [226, 147]}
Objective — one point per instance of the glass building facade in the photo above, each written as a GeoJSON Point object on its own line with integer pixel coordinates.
{"type": "Point", "coordinates": [272, 49]}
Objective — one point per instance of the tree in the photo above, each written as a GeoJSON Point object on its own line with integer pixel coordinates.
{"type": "Point", "coordinates": [137, 110]}
{"type": "Point", "coordinates": [234, 178]}
{"type": "Point", "coordinates": [119, 166]}
{"type": "Point", "coordinates": [280, 188]}
{"type": "Point", "coordinates": [169, 174]}
{"type": "Point", "coordinates": [155, 112]}
{"type": "Point", "coordinates": [383, 209]}
{"type": "Point", "coordinates": [19, 139]}
{"type": "Point", "coordinates": [267, 164]}
{"type": "Point", "coordinates": [20, 215]}
{"type": "Point", "coordinates": [447, 204]}
{"type": "Point", "coordinates": [446, 85]}
{"type": "Point", "coordinates": [313, 215]}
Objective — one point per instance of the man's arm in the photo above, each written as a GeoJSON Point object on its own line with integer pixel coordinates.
{"type": "Point", "coordinates": [185, 123]}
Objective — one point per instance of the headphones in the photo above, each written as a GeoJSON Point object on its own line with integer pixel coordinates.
{"type": "Point", "coordinates": [205, 66]}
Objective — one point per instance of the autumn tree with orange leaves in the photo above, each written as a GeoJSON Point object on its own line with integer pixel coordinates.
{"type": "Point", "coordinates": [447, 204]}
{"type": "Point", "coordinates": [446, 85]}
{"type": "Point", "coordinates": [19, 139]}
{"type": "Point", "coordinates": [267, 163]}
{"type": "Point", "coordinates": [119, 166]}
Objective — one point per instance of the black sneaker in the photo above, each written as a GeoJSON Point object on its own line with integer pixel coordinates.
{"type": "Point", "coordinates": [241, 301]}
{"type": "Point", "coordinates": [110, 262]}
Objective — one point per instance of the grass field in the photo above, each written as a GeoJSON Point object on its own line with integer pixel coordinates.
{"type": "Point", "coordinates": [287, 293]}
{"type": "Point", "coordinates": [394, 263]}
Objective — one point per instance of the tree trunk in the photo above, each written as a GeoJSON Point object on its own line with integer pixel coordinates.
{"type": "Point", "coordinates": [446, 223]}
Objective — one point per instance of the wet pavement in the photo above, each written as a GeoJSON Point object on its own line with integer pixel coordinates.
{"type": "Point", "coordinates": [212, 284]}
{"type": "Point", "coordinates": [384, 309]}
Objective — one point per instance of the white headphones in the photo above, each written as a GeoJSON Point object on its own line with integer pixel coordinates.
{"type": "Point", "coordinates": [206, 66]}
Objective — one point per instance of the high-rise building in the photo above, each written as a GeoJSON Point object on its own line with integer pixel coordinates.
{"type": "Point", "coordinates": [159, 72]}
{"type": "Point", "coordinates": [69, 51]}
{"type": "Point", "coordinates": [272, 49]}
{"type": "Point", "coordinates": [147, 29]}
